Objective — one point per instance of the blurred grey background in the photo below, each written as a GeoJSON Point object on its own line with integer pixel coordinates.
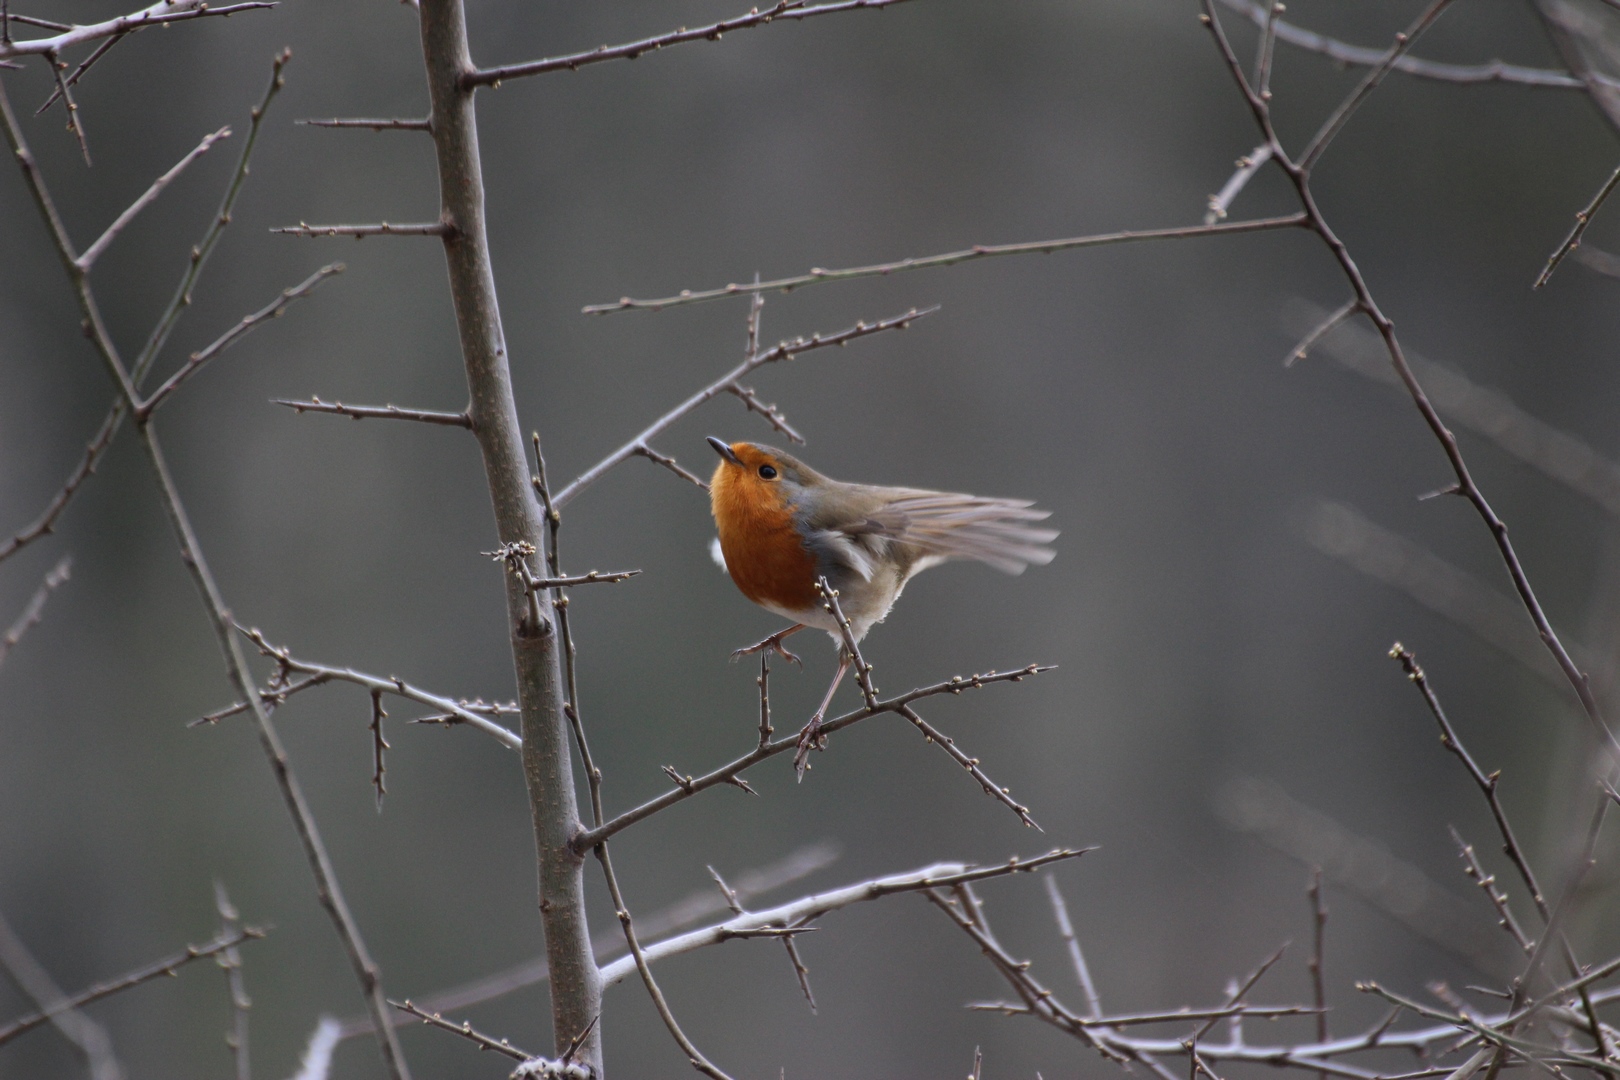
{"type": "Point", "coordinates": [1222, 672]}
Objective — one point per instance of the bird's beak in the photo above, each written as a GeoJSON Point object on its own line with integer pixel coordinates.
{"type": "Point", "coordinates": [725, 451]}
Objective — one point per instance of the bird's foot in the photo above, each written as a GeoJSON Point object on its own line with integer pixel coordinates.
{"type": "Point", "coordinates": [774, 644]}
{"type": "Point", "coordinates": [810, 738]}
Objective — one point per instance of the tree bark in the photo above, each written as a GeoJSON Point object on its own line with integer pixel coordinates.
{"type": "Point", "coordinates": [576, 989]}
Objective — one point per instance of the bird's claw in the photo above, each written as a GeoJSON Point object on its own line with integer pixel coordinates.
{"type": "Point", "coordinates": [810, 738]}
{"type": "Point", "coordinates": [774, 644]}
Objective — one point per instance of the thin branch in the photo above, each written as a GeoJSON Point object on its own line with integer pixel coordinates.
{"type": "Point", "coordinates": [167, 966]}
{"type": "Point", "coordinates": [804, 909]}
{"type": "Point", "coordinates": [423, 124]}
{"type": "Point", "coordinates": [1268, 44]}
{"type": "Point", "coordinates": [93, 252]}
{"type": "Point", "coordinates": [595, 577]}
{"type": "Point", "coordinates": [1485, 783]}
{"type": "Point", "coordinates": [46, 521]}
{"type": "Point", "coordinates": [786, 350]}
{"type": "Point", "coordinates": [863, 670]}
{"type": "Point", "coordinates": [181, 299]}
{"type": "Point", "coordinates": [771, 413]}
{"type": "Point", "coordinates": [785, 9]}
{"type": "Point", "coordinates": [1082, 972]}
{"type": "Point", "coordinates": [321, 674]}
{"type": "Point", "coordinates": [230, 961]}
{"type": "Point", "coordinates": [1321, 330]}
{"type": "Point", "coordinates": [35, 608]}
{"type": "Point", "coordinates": [640, 960]}
{"type": "Point", "coordinates": [377, 412]}
{"type": "Point", "coordinates": [1299, 175]}
{"type": "Point", "coordinates": [1498, 899]}
{"type": "Point", "coordinates": [1347, 108]}
{"type": "Point", "coordinates": [30, 20]}
{"type": "Point", "coordinates": [87, 1036]}
{"type": "Point", "coordinates": [79, 72]}
{"type": "Point", "coordinates": [360, 232]}
{"type": "Point", "coordinates": [1582, 220]}
{"type": "Point", "coordinates": [971, 764]}
{"type": "Point", "coordinates": [956, 685]}
{"type": "Point", "coordinates": [951, 258]}
{"type": "Point", "coordinates": [464, 1029]}
{"type": "Point", "coordinates": [249, 323]}
{"type": "Point", "coordinates": [1317, 964]}
{"type": "Point", "coordinates": [379, 744]}
{"type": "Point", "coordinates": [1247, 167]}
{"type": "Point", "coordinates": [694, 908]}
{"type": "Point", "coordinates": [1359, 56]}
{"type": "Point", "coordinates": [164, 11]}
{"type": "Point", "coordinates": [671, 464]}
{"type": "Point", "coordinates": [74, 122]}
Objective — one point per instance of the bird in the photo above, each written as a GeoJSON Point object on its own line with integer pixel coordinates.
{"type": "Point", "coordinates": [783, 528]}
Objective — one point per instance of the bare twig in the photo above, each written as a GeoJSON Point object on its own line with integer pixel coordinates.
{"type": "Point", "coordinates": [1498, 899]}
{"type": "Point", "coordinates": [377, 412]}
{"type": "Point", "coordinates": [1582, 220]}
{"type": "Point", "coordinates": [1485, 783]}
{"type": "Point", "coordinates": [84, 66]}
{"type": "Point", "coordinates": [249, 323]}
{"type": "Point", "coordinates": [672, 465]}
{"type": "Point", "coordinates": [1247, 166]}
{"type": "Point", "coordinates": [164, 11]}
{"type": "Point", "coordinates": [1347, 108]}
{"type": "Point", "coordinates": [1358, 56]}
{"type": "Point", "coordinates": [321, 674]}
{"type": "Point", "coordinates": [230, 961]}
{"type": "Point", "coordinates": [971, 764]}
{"type": "Point", "coordinates": [951, 258]}
{"type": "Point", "coordinates": [423, 124]}
{"type": "Point", "coordinates": [216, 226]}
{"type": "Point", "coordinates": [586, 840]}
{"type": "Point", "coordinates": [804, 909]}
{"type": "Point", "coordinates": [35, 608]}
{"type": "Point", "coordinates": [694, 908]}
{"type": "Point", "coordinates": [786, 350]}
{"type": "Point", "coordinates": [378, 745]}
{"type": "Point", "coordinates": [464, 1029]}
{"type": "Point", "coordinates": [785, 9]}
{"type": "Point", "coordinates": [1317, 964]}
{"type": "Point", "coordinates": [93, 252]}
{"type": "Point", "coordinates": [640, 960]}
{"type": "Point", "coordinates": [166, 966]}
{"type": "Point", "coordinates": [863, 670]}
{"type": "Point", "coordinates": [1322, 329]}
{"type": "Point", "coordinates": [360, 232]}
{"type": "Point", "coordinates": [1082, 972]}
{"type": "Point", "coordinates": [1299, 174]}
{"type": "Point", "coordinates": [99, 442]}
{"type": "Point", "coordinates": [75, 123]}
{"type": "Point", "coordinates": [87, 1036]}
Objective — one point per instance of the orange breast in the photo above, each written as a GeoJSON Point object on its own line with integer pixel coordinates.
{"type": "Point", "coordinates": [763, 551]}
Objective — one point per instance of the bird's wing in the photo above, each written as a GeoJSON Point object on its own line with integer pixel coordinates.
{"type": "Point", "coordinates": [943, 525]}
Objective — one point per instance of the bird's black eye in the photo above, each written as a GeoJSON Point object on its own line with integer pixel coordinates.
{"type": "Point", "coordinates": [767, 472]}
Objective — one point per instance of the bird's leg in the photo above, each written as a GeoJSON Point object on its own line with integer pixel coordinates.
{"type": "Point", "coordinates": [811, 737]}
{"type": "Point", "coordinates": [773, 643]}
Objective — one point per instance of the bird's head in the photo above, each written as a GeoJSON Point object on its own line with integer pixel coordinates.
{"type": "Point", "coordinates": [761, 476]}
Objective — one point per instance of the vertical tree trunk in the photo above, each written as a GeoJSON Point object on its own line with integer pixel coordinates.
{"type": "Point", "coordinates": [576, 990]}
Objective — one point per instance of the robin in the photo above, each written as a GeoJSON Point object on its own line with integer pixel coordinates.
{"type": "Point", "coordinates": [783, 527]}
